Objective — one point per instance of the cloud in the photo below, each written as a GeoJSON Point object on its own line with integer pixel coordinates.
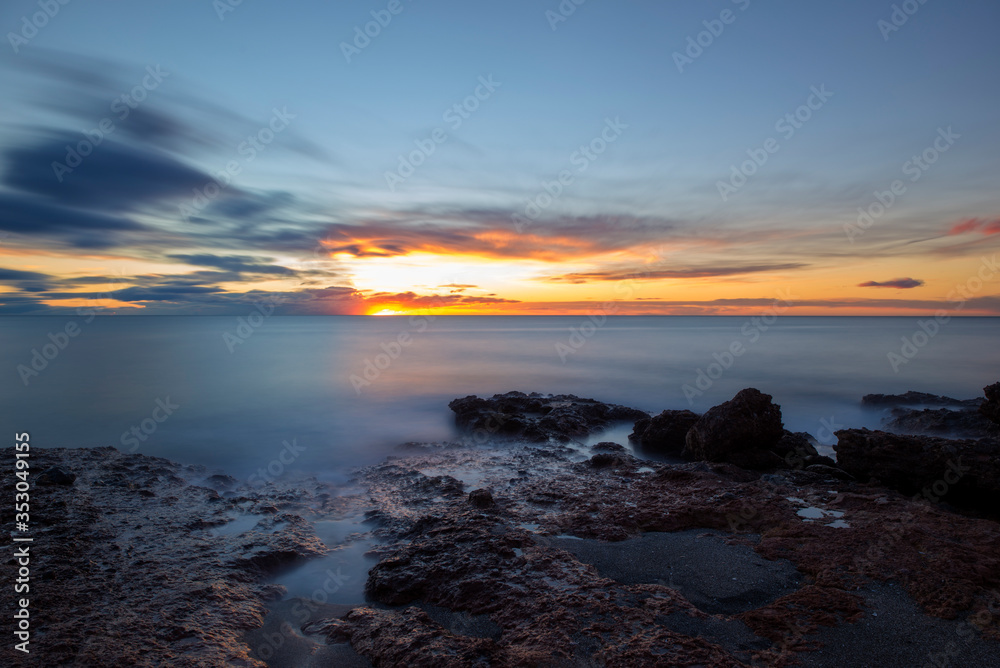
{"type": "Point", "coordinates": [240, 264]}
{"type": "Point", "coordinates": [901, 283]}
{"type": "Point", "coordinates": [114, 176]}
{"type": "Point", "coordinates": [490, 233]}
{"type": "Point", "coordinates": [980, 225]}
{"type": "Point", "coordinates": [14, 275]}
{"type": "Point", "coordinates": [647, 274]}
{"type": "Point", "coordinates": [80, 228]}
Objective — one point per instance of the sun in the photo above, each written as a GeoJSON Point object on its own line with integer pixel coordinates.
{"type": "Point", "coordinates": [387, 311]}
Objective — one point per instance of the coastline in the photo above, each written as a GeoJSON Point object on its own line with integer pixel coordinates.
{"type": "Point", "coordinates": [534, 550]}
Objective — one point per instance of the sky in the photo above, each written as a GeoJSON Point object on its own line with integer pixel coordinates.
{"type": "Point", "coordinates": [527, 157]}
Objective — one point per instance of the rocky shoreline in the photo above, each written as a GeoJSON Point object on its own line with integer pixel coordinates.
{"type": "Point", "coordinates": [741, 546]}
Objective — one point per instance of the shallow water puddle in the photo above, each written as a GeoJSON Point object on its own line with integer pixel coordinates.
{"type": "Point", "coordinates": [812, 513]}
{"type": "Point", "coordinates": [239, 524]}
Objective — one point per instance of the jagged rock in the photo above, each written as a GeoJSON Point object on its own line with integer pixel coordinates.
{"type": "Point", "coordinates": [537, 417]}
{"type": "Point", "coordinates": [831, 471]}
{"type": "Point", "coordinates": [991, 408]}
{"type": "Point", "coordinates": [663, 433]}
{"type": "Point", "coordinates": [748, 422]}
{"type": "Point", "coordinates": [55, 476]}
{"type": "Point", "coordinates": [481, 498]}
{"type": "Point", "coordinates": [962, 472]}
{"type": "Point", "coordinates": [917, 399]}
{"type": "Point", "coordinates": [607, 446]}
{"type": "Point", "coordinates": [967, 423]}
{"type": "Point", "coordinates": [609, 459]}
{"type": "Point", "coordinates": [795, 443]}
{"type": "Point", "coordinates": [221, 481]}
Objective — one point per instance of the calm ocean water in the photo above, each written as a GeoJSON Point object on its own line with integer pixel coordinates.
{"type": "Point", "coordinates": [290, 381]}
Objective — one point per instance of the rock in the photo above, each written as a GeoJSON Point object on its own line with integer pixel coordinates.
{"type": "Point", "coordinates": [991, 408]}
{"type": "Point", "coordinates": [794, 447]}
{"type": "Point", "coordinates": [962, 472]}
{"type": "Point", "coordinates": [537, 417]}
{"type": "Point", "coordinates": [481, 498]}
{"type": "Point", "coordinates": [55, 476]}
{"type": "Point", "coordinates": [663, 433]}
{"type": "Point", "coordinates": [609, 459]}
{"type": "Point", "coordinates": [831, 471]}
{"type": "Point", "coordinates": [748, 422]}
{"type": "Point", "coordinates": [221, 481]}
{"type": "Point", "coordinates": [607, 446]}
{"type": "Point", "coordinates": [967, 423]}
{"type": "Point", "coordinates": [917, 399]}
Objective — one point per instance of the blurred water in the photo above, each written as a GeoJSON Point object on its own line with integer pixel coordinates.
{"type": "Point", "coordinates": [283, 400]}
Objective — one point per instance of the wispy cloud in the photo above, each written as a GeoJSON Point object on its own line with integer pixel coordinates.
{"type": "Point", "coordinates": [900, 283]}
{"type": "Point", "coordinates": [981, 225]}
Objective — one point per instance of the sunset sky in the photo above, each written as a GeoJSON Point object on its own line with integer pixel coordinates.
{"type": "Point", "coordinates": [165, 157]}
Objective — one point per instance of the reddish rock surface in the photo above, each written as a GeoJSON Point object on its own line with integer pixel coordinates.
{"type": "Point", "coordinates": [128, 568]}
{"type": "Point", "coordinates": [664, 433]}
{"type": "Point", "coordinates": [963, 472]}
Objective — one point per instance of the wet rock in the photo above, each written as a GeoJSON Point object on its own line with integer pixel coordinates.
{"type": "Point", "coordinates": [795, 445]}
{"type": "Point", "coordinates": [141, 549]}
{"type": "Point", "coordinates": [917, 399]}
{"type": "Point", "coordinates": [603, 460]}
{"type": "Point", "coordinates": [991, 408]}
{"type": "Point", "coordinates": [963, 472]}
{"type": "Point", "coordinates": [664, 433]}
{"type": "Point", "coordinates": [409, 638]}
{"type": "Point", "coordinates": [830, 471]}
{"type": "Point", "coordinates": [55, 476]}
{"type": "Point", "coordinates": [744, 428]}
{"type": "Point", "coordinates": [967, 423]}
{"type": "Point", "coordinates": [607, 446]}
{"type": "Point", "coordinates": [537, 417]}
{"type": "Point", "coordinates": [221, 481]}
{"type": "Point", "coordinates": [481, 498]}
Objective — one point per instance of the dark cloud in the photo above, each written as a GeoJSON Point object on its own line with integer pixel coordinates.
{"type": "Point", "coordinates": [901, 283]}
{"type": "Point", "coordinates": [114, 177]}
{"type": "Point", "coordinates": [249, 205]}
{"type": "Point", "coordinates": [15, 275]}
{"type": "Point", "coordinates": [80, 228]}
{"type": "Point", "coordinates": [236, 263]}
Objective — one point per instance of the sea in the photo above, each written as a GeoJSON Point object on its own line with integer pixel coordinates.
{"type": "Point", "coordinates": [320, 395]}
